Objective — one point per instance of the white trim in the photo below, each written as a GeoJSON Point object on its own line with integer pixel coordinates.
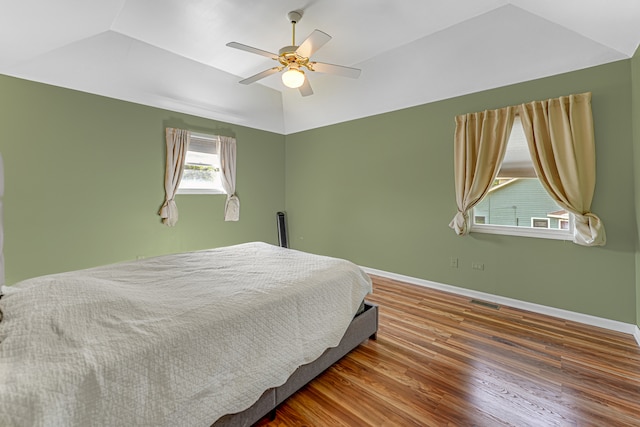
{"type": "Point", "coordinates": [200, 191]}
{"type": "Point", "coordinates": [614, 325]}
{"type": "Point", "coordinates": [508, 230]}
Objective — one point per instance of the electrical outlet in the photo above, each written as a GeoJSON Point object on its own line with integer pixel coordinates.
{"type": "Point", "coordinates": [453, 262]}
{"type": "Point", "coordinates": [477, 266]}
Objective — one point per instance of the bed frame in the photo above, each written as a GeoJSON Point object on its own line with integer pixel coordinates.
{"type": "Point", "coordinates": [362, 327]}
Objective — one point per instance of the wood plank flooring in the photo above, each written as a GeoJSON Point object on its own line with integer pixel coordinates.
{"type": "Point", "coordinates": [441, 360]}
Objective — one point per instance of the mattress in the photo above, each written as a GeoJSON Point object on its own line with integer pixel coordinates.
{"type": "Point", "coordinates": [175, 340]}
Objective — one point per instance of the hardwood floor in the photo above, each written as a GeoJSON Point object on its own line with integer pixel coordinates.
{"type": "Point", "coordinates": [441, 360]}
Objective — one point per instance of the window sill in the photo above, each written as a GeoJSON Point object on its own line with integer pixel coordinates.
{"type": "Point", "coordinates": [541, 233]}
{"type": "Point", "coordinates": [200, 191]}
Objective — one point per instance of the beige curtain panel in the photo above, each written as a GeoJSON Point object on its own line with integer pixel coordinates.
{"type": "Point", "coordinates": [561, 142]}
{"type": "Point", "coordinates": [479, 146]}
{"type": "Point", "coordinates": [1, 226]}
{"type": "Point", "coordinates": [177, 141]}
{"type": "Point", "coordinates": [227, 153]}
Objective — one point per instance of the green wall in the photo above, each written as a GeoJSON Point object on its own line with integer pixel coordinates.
{"type": "Point", "coordinates": [635, 82]}
{"type": "Point", "coordinates": [379, 191]}
{"type": "Point", "coordinates": [85, 180]}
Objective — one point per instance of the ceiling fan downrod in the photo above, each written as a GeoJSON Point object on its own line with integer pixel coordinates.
{"type": "Point", "coordinates": [294, 17]}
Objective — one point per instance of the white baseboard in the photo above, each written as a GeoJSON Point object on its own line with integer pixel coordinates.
{"type": "Point", "coordinates": [613, 325]}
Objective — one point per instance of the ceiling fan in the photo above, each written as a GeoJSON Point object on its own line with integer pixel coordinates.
{"type": "Point", "coordinates": [293, 58]}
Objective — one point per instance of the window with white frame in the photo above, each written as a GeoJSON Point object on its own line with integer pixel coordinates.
{"type": "Point", "coordinates": [517, 203]}
{"type": "Point", "coordinates": [201, 173]}
{"type": "Point", "coordinates": [540, 222]}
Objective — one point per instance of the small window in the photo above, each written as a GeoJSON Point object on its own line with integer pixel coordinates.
{"type": "Point", "coordinates": [540, 222]}
{"type": "Point", "coordinates": [517, 203]}
{"type": "Point", "coordinates": [201, 173]}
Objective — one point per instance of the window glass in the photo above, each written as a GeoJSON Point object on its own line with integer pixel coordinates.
{"type": "Point", "coordinates": [517, 203]}
{"type": "Point", "coordinates": [201, 173]}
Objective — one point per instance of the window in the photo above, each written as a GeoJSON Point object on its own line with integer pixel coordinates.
{"type": "Point", "coordinates": [201, 173]}
{"type": "Point", "coordinates": [517, 203]}
{"type": "Point", "coordinates": [540, 222]}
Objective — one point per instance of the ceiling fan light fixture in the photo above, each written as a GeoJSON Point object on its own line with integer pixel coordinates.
{"type": "Point", "coordinates": [294, 57]}
{"type": "Point", "coordinates": [293, 78]}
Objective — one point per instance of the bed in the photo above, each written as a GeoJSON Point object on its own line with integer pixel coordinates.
{"type": "Point", "coordinates": [219, 336]}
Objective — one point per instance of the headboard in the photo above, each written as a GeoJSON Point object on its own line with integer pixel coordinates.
{"type": "Point", "coordinates": [1, 223]}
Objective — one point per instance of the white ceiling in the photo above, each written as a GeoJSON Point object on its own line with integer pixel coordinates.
{"type": "Point", "coordinates": [171, 53]}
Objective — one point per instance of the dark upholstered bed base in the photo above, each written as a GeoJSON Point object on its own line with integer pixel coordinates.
{"type": "Point", "coordinates": [363, 326]}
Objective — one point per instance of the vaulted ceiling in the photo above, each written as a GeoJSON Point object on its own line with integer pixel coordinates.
{"type": "Point", "coordinates": [172, 54]}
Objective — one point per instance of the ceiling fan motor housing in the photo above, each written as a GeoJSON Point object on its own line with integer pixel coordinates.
{"type": "Point", "coordinates": [287, 49]}
{"type": "Point", "coordinates": [294, 16]}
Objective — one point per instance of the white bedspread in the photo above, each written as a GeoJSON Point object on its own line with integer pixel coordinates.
{"type": "Point", "coordinates": [177, 340]}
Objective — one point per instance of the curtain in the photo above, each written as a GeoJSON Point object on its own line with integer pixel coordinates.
{"type": "Point", "coordinates": [1, 226]}
{"type": "Point", "coordinates": [227, 153]}
{"type": "Point", "coordinates": [561, 142]}
{"type": "Point", "coordinates": [480, 143]}
{"type": "Point", "coordinates": [177, 146]}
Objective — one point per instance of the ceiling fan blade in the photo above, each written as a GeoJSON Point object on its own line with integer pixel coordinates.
{"type": "Point", "coordinates": [315, 41]}
{"type": "Point", "coordinates": [337, 70]}
{"type": "Point", "coordinates": [260, 75]}
{"type": "Point", "coordinates": [257, 51]}
{"type": "Point", "coordinates": [305, 89]}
